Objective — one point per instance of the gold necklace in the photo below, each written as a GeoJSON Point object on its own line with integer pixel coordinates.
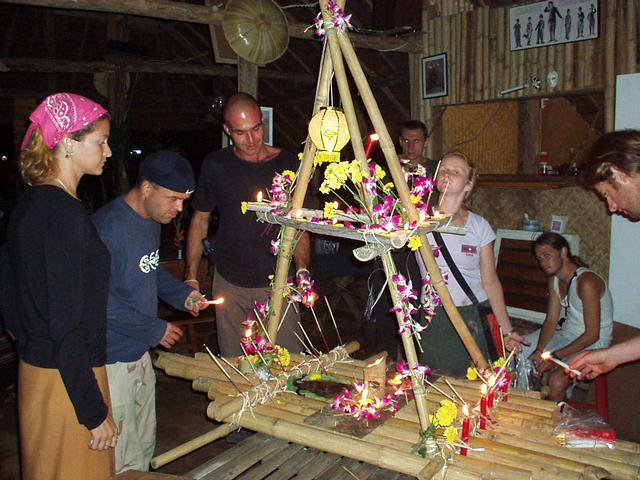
{"type": "Point", "coordinates": [64, 187]}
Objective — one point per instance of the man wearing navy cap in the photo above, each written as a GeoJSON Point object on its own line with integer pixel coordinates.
{"type": "Point", "coordinates": [130, 228]}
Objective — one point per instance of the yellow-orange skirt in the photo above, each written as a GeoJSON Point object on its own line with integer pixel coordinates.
{"type": "Point", "coordinates": [53, 444]}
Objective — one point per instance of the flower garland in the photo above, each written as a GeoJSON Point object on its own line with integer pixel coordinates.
{"type": "Point", "coordinates": [339, 20]}
{"type": "Point", "coordinates": [364, 407]}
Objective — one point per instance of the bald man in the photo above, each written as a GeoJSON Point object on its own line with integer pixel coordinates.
{"type": "Point", "coordinates": [242, 257]}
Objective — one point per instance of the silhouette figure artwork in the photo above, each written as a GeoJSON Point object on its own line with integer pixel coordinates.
{"type": "Point", "coordinates": [580, 23]}
{"type": "Point", "coordinates": [540, 31]}
{"type": "Point", "coordinates": [516, 33]}
{"type": "Point", "coordinates": [567, 24]}
{"type": "Point", "coordinates": [554, 13]}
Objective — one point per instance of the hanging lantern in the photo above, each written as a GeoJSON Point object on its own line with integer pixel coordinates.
{"type": "Point", "coordinates": [329, 132]}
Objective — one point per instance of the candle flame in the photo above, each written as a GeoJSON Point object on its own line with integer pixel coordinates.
{"type": "Point", "coordinates": [259, 196]}
{"type": "Point", "coordinates": [397, 380]}
{"type": "Point", "coordinates": [247, 332]}
{"type": "Point", "coordinates": [374, 137]}
{"type": "Point", "coordinates": [546, 355]}
{"type": "Point", "coordinates": [299, 213]}
{"type": "Point", "coordinates": [492, 380]}
{"type": "Point", "coordinates": [483, 389]}
{"type": "Point", "coordinates": [217, 301]}
{"type": "Point", "coordinates": [377, 362]}
{"type": "Point", "coordinates": [465, 410]}
{"type": "Point", "coordinates": [335, 205]}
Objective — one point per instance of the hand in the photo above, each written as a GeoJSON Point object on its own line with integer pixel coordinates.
{"type": "Point", "coordinates": [540, 364]}
{"type": "Point", "coordinates": [309, 300]}
{"type": "Point", "coordinates": [171, 335]}
{"type": "Point", "coordinates": [104, 436]}
{"type": "Point", "coordinates": [195, 302]}
{"type": "Point", "coordinates": [515, 342]}
{"type": "Point", "coordinates": [592, 363]}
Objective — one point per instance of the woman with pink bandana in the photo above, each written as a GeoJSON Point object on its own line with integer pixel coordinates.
{"type": "Point", "coordinates": [59, 274]}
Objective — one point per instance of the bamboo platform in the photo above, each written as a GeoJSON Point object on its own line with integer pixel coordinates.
{"type": "Point", "coordinates": [516, 444]}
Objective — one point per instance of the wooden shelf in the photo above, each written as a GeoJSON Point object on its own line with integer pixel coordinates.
{"type": "Point", "coordinates": [526, 181]}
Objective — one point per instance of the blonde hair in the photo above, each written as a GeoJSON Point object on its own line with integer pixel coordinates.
{"type": "Point", "coordinates": [473, 171]}
{"type": "Point", "coordinates": [37, 162]}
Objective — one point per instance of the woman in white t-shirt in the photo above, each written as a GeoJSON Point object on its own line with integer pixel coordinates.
{"type": "Point", "coordinates": [472, 253]}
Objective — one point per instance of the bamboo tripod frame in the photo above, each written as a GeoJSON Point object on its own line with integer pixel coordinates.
{"type": "Point", "coordinates": [340, 46]}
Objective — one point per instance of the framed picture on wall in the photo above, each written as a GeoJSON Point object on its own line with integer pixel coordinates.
{"type": "Point", "coordinates": [267, 121]}
{"type": "Point", "coordinates": [434, 76]}
{"type": "Point", "coordinates": [547, 23]}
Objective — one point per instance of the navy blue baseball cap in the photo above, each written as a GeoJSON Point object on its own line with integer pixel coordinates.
{"type": "Point", "coordinates": [170, 170]}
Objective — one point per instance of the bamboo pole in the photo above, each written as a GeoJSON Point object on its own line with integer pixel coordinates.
{"type": "Point", "coordinates": [610, 66]}
{"type": "Point", "coordinates": [194, 444]}
{"type": "Point", "coordinates": [632, 35]}
{"type": "Point", "coordinates": [397, 174]}
{"type": "Point", "coordinates": [302, 184]}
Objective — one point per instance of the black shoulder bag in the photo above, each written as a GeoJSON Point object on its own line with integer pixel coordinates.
{"type": "Point", "coordinates": [483, 311]}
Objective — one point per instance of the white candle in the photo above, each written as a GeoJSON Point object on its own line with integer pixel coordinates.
{"type": "Point", "coordinates": [547, 356]}
{"type": "Point", "coordinates": [259, 197]}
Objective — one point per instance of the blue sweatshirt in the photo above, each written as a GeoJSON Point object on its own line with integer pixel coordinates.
{"type": "Point", "coordinates": [137, 280]}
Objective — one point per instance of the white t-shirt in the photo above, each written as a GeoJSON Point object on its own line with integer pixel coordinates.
{"type": "Point", "coordinates": [465, 251]}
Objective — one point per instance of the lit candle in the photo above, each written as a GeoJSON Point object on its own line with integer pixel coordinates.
{"type": "Point", "coordinates": [217, 301]}
{"type": "Point", "coordinates": [547, 356]}
{"type": "Point", "coordinates": [490, 397]}
{"type": "Point", "coordinates": [299, 213]}
{"type": "Point", "coordinates": [466, 425]}
{"type": "Point", "coordinates": [372, 138]}
{"type": "Point", "coordinates": [483, 407]}
{"type": "Point", "coordinates": [259, 197]}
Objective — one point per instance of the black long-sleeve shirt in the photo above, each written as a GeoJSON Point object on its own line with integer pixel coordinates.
{"type": "Point", "coordinates": [60, 270]}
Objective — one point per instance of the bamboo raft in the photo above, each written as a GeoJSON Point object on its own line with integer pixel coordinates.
{"type": "Point", "coordinates": [517, 443]}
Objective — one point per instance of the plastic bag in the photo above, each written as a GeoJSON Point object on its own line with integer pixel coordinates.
{"type": "Point", "coordinates": [526, 375]}
{"type": "Point", "coordinates": [581, 428]}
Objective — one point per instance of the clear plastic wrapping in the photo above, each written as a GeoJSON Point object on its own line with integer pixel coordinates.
{"type": "Point", "coordinates": [526, 377]}
{"type": "Point", "coordinates": [581, 428]}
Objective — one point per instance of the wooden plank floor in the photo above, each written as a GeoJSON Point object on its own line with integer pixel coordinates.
{"type": "Point", "coordinates": [261, 457]}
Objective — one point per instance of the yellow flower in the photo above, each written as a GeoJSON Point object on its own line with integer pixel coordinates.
{"type": "Point", "coordinates": [300, 156]}
{"type": "Point", "coordinates": [284, 358]}
{"type": "Point", "coordinates": [471, 374]}
{"type": "Point", "coordinates": [415, 243]}
{"type": "Point", "coordinates": [328, 209]}
{"type": "Point", "coordinates": [388, 186]}
{"type": "Point", "coordinates": [271, 276]}
{"type": "Point", "coordinates": [446, 413]}
{"type": "Point", "coordinates": [289, 174]}
{"type": "Point", "coordinates": [334, 177]}
{"type": "Point", "coordinates": [498, 363]}
{"type": "Point", "coordinates": [415, 198]}
{"type": "Point", "coordinates": [380, 173]}
{"type": "Point", "coordinates": [355, 174]}
{"type": "Point", "coordinates": [243, 207]}
{"type": "Point", "coordinates": [286, 292]}
{"type": "Point", "coordinates": [450, 434]}
{"type": "Point", "coordinates": [315, 376]}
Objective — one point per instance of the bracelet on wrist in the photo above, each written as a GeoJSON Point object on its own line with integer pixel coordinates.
{"type": "Point", "coordinates": [507, 335]}
{"type": "Point", "coordinates": [191, 280]}
{"type": "Point", "coordinates": [302, 270]}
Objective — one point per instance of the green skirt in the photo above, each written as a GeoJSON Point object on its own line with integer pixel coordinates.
{"type": "Point", "coordinates": [442, 349]}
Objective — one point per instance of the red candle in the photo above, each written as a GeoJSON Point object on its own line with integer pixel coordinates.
{"type": "Point", "coordinates": [505, 388]}
{"type": "Point", "coordinates": [483, 408]}
{"type": "Point", "coordinates": [372, 138]}
{"type": "Point", "coordinates": [492, 391]}
{"type": "Point", "coordinates": [466, 425]}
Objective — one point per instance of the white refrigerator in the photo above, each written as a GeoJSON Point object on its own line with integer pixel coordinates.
{"type": "Point", "coordinates": [624, 260]}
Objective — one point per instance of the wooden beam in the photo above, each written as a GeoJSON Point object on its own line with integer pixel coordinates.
{"type": "Point", "coordinates": [45, 65]}
{"type": "Point", "coordinates": [188, 12]}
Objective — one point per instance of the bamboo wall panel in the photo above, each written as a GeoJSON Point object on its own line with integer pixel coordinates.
{"type": "Point", "coordinates": [493, 131]}
{"type": "Point", "coordinates": [504, 208]}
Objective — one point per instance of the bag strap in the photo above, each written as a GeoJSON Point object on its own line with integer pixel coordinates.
{"type": "Point", "coordinates": [454, 269]}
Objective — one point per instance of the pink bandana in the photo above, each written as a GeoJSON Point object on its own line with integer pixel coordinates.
{"type": "Point", "coordinates": [59, 114]}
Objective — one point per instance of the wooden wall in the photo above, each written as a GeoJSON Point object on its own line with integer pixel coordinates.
{"type": "Point", "coordinates": [481, 64]}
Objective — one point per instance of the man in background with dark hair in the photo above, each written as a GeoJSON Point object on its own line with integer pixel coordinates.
{"type": "Point", "coordinates": [612, 170]}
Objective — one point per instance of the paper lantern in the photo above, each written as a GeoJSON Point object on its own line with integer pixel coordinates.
{"type": "Point", "coordinates": [329, 132]}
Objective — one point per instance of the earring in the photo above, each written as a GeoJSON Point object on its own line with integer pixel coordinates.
{"type": "Point", "coordinates": [67, 154]}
